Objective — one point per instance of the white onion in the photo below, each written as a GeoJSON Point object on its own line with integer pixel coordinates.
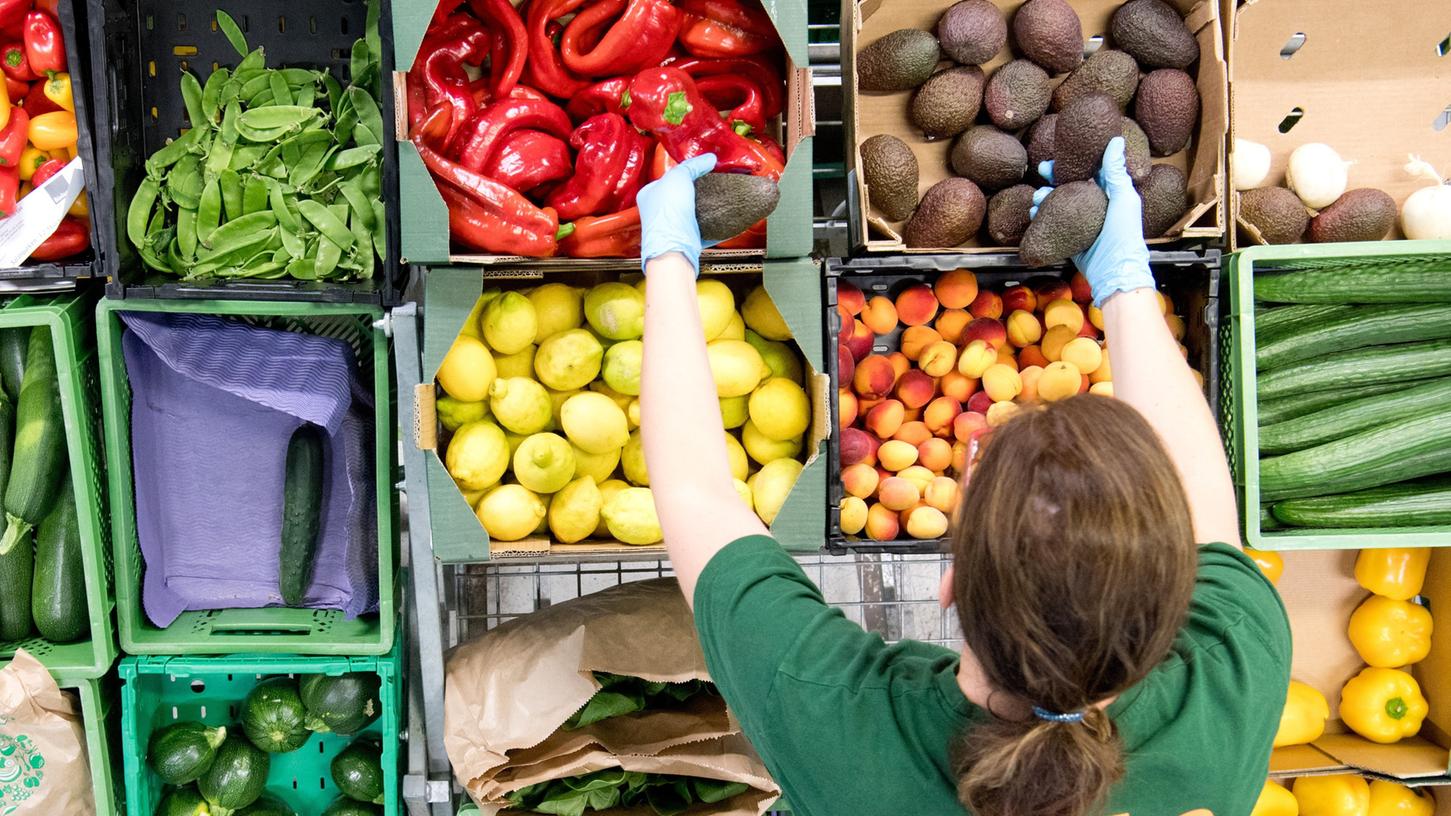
{"type": "Point", "coordinates": [1426, 215]}
{"type": "Point", "coordinates": [1317, 174]}
{"type": "Point", "coordinates": [1251, 164]}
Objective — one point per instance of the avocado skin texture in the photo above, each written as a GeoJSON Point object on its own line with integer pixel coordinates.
{"type": "Point", "coordinates": [1154, 33]}
{"type": "Point", "coordinates": [990, 158]}
{"type": "Point", "coordinates": [972, 32]}
{"type": "Point", "coordinates": [727, 204]}
{"type": "Point", "coordinates": [1276, 212]}
{"type": "Point", "coordinates": [1136, 150]}
{"type": "Point", "coordinates": [890, 170]}
{"type": "Point", "coordinates": [1083, 130]}
{"type": "Point", "coordinates": [1105, 71]}
{"type": "Point", "coordinates": [1007, 214]}
{"type": "Point", "coordinates": [899, 61]}
{"type": "Point", "coordinates": [950, 214]}
{"type": "Point", "coordinates": [1067, 223]}
{"type": "Point", "coordinates": [1040, 141]}
{"type": "Point", "coordinates": [1362, 214]}
{"type": "Point", "coordinates": [1165, 194]}
{"type": "Point", "coordinates": [947, 103]}
{"type": "Point", "coordinates": [1049, 33]}
{"type": "Point", "coordinates": [1017, 95]}
{"type": "Point", "coordinates": [1167, 108]}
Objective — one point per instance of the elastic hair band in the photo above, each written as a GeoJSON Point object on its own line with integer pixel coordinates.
{"type": "Point", "coordinates": [1055, 717]}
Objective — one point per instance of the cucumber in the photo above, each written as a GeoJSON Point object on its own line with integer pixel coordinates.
{"type": "Point", "coordinates": [1295, 405]}
{"type": "Point", "coordinates": [13, 343]}
{"type": "Point", "coordinates": [301, 513]}
{"type": "Point", "coordinates": [344, 806]}
{"type": "Point", "coordinates": [1276, 321]}
{"type": "Point", "coordinates": [237, 777]}
{"type": "Point", "coordinates": [344, 705]}
{"type": "Point", "coordinates": [1339, 285]}
{"type": "Point", "coordinates": [1267, 518]}
{"type": "Point", "coordinates": [268, 805]}
{"type": "Point", "coordinates": [39, 460]}
{"type": "Point", "coordinates": [58, 603]}
{"type": "Point", "coordinates": [1393, 452]}
{"type": "Point", "coordinates": [183, 802]}
{"type": "Point", "coordinates": [1408, 504]}
{"type": "Point", "coordinates": [1367, 366]}
{"type": "Point", "coordinates": [1329, 424]}
{"type": "Point", "coordinates": [182, 752]}
{"type": "Point", "coordinates": [1367, 326]}
{"type": "Point", "coordinates": [358, 771]}
{"type": "Point", "coordinates": [273, 716]}
{"type": "Point", "coordinates": [17, 569]}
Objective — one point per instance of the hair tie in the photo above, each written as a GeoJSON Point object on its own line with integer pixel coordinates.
{"type": "Point", "coordinates": [1054, 717]}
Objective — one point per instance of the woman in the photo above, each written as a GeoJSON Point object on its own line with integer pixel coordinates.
{"type": "Point", "coordinates": [1110, 665]}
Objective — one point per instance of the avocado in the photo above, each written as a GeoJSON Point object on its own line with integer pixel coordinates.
{"type": "Point", "coordinates": [1040, 141]}
{"type": "Point", "coordinates": [991, 158]}
{"type": "Point", "coordinates": [1136, 150]}
{"type": "Point", "coordinates": [1364, 214]}
{"type": "Point", "coordinates": [1154, 33]}
{"type": "Point", "coordinates": [1166, 196]}
{"type": "Point", "coordinates": [948, 102]}
{"type": "Point", "coordinates": [1067, 223]}
{"type": "Point", "coordinates": [1016, 95]}
{"type": "Point", "coordinates": [1007, 214]}
{"type": "Point", "coordinates": [972, 32]}
{"type": "Point", "coordinates": [1106, 71]}
{"type": "Point", "coordinates": [899, 61]}
{"type": "Point", "coordinates": [727, 204]}
{"type": "Point", "coordinates": [1084, 129]}
{"type": "Point", "coordinates": [950, 214]}
{"type": "Point", "coordinates": [1167, 108]}
{"type": "Point", "coordinates": [889, 169]}
{"type": "Point", "coordinates": [1278, 214]}
{"type": "Point", "coordinates": [1049, 33]}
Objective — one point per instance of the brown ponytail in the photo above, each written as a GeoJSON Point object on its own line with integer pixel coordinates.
{"type": "Point", "coordinates": [1074, 566]}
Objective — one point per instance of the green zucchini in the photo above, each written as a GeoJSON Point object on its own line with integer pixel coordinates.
{"type": "Point", "coordinates": [1341, 285]}
{"type": "Point", "coordinates": [344, 806]}
{"type": "Point", "coordinates": [17, 571]}
{"type": "Point", "coordinates": [1392, 452]}
{"type": "Point", "coordinates": [58, 603]}
{"type": "Point", "coordinates": [1274, 321]}
{"type": "Point", "coordinates": [268, 805]}
{"type": "Point", "coordinates": [183, 802]}
{"type": "Point", "coordinates": [344, 705]}
{"type": "Point", "coordinates": [237, 777]}
{"type": "Point", "coordinates": [1367, 366]}
{"type": "Point", "coordinates": [1295, 405]}
{"type": "Point", "coordinates": [1408, 504]}
{"type": "Point", "coordinates": [273, 716]}
{"type": "Point", "coordinates": [302, 501]}
{"type": "Point", "coordinates": [13, 343]}
{"type": "Point", "coordinates": [1329, 424]}
{"type": "Point", "coordinates": [1368, 326]}
{"type": "Point", "coordinates": [182, 752]}
{"type": "Point", "coordinates": [39, 461]}
{"type": "Point", "coordinates": [358, 771]}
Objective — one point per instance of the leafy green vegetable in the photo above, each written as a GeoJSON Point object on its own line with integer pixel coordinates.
{"type": "Point", "coordinates": [665, 794]}
{"type": "Point", "coordinates": [620, 695]}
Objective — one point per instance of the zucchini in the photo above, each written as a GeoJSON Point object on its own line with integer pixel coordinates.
{"type": "Point", "coordinates": [344, 806]}
{"type": "Point", "coordinates": [1273, 322]}
{"type": "Point", "coordinates": [237, 777]}
{"type": "Point", "coordinates": [183, 802]}
{"type": "Point", "coordinates": [1393, 452]}
{"type": "Point", "coordinates": [183, 751]}
{"type": "Point", "coordinates": [17, 569]}
{"type": "Point", "coordinates": [268, 805]}
{"type": "Point", "coordinates": [39, 460]}
{"type": "Point", "coordinates": [344, 705]}
{"type": "Point", "coordinates": [1341, 285]}
{"type": "Point", "coordinates": [1367, 366]}
{"type": "Point", "coordinates": [1295, 405]}
{"type": "Point", "coordinates": [58, 603]}
{"type": "Point", "coordinates": [1329, 424]}
{"type": "Point", "coordinates": [273, 716]}
{"type": "Point", "coordinates": [13, 344]}
{"type": "Point", "coordinates": [302, 500]}
{"type": "Point", "coordinates": [358, 771]}
{"type": "Point", "coordinates": [1368, 326]}
{"type": "Point", "coordinates": [1408, 504]}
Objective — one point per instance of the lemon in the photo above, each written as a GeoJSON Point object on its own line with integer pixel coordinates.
{"type": "Point", "coordinates": [569, 360]}
{"type": "Point", "coordinates": [734, 330]}
{"type": "Point", "coordinates": [608, 490]}
{"type": "Point", "coordinates": [632, 459]}
{"type": "Point", "coordinates": [574, 512]}
{"type": "Point", "coordinates": [518, 364]}
{"type": "Point", "coordinates": [473, 324]}
{"type": "Point", "coordinates": [510, 512]}
{"type": "Point", "coordinates": [594, 422]}
{"type": "Point", "coordinates": [457, 413]}
{"type": "Point", "coordinates": [622, 400]}
{"type": "Point", "coordinates": [471, 496]}
{"type": "Point", "coordinates": [515, 440]}
{"type": "Point", "coordinates": [779, 409]}
{"type": "Point", "coordinates": [630, 517]}
{"type": "Point", "coordinates": [771, 485]}
{"type": "Point", "coordinates": [622, 367]}
{"type": "Point", "coordinates": [597, 466]}
{"type": "Point", "coordinates": [556, 402]}
{"type": "Point", "coordinates": [778, 357]}
{"type": "Point", "coordinates": [632, 413]}
{"type": "Point", "coordinates": [762, 317]}
{"type": "Point", "coordinates": [717, 306]}
{"type": "Point", "coordinates": [520, 405]}
{"type": "Point", "coordinates": [467, 370]}
{"type": "Point", "coordinates": [557, 307]}
{"type": "Point", "coordinates": [616, 311]}
{"type": "Point", "coordinates": [734, 411]}
{"type": "Point", "coordinates": [510, 323]}
{"type": "Point", "coordinates": [544, 463]}
{"type": "Point", "coordinates": [764, 449]}
{"type": "Point", "coordinates": [477, 455]}
{"type": "Point", "coordinates": [736, 367]}
{"type": "Point", "coordinates": [744, 491]}
{"type": "Point", "coordinates": [740, 465]}
{"type": "Point", "coordinates": [542, 528]}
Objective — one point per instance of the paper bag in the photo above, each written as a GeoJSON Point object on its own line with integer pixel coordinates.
{"type": "Point", "coordinates": [43, 765]}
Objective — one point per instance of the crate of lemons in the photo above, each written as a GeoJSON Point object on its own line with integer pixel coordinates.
{"type": "Point", "coordinates": [541, 396]}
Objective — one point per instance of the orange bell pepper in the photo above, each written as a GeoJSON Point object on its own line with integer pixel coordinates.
{"type": "Point", "coordinates": [53, 131]}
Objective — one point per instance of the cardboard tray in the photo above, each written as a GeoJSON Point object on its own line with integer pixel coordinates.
{"type": "Point", "coordinates": [869, 114]}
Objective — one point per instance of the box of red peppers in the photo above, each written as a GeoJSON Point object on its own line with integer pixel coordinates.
{"type": "Point", "coordinates": [525, 132]}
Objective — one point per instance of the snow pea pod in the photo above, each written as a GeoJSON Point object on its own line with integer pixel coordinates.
{"type": "Point", "coordinates": [209, 211]}
{"type": "Point", "coordinates": [231, 185]}
{"type": "Point", "coordinates": [171, 153]}
{"type": "Point", "coordinates": [326, 222]}
{"type": "Point", "coordinates": [139, 214]}
{"type": "Point", "coordinates": [254, 195]}
{"type": "Point", "coordinates": [191, 97]}
{"type": "Point", "coordinates": [186, 232]}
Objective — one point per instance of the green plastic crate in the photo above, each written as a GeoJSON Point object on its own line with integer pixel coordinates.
{"type": "Point", "coordinates": [102, 718]}
{"type": "Point", "coordinates": [157, 691]}
{"type": "Point", "coordinates": [270, 630]}
{"type": "Point", "coordinates": [70, 328]}
{"type": "Point", "coordinates": [1239, 398]}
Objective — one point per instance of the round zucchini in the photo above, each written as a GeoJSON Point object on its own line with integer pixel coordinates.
{"type": "Point", "coordinates": [344, 705]}
{"type": "Point", "coordinates": [182, 752]}
{"type": "Point", "coordinates": [344, 806]}
{"type": "Point", "coordinates": [236, 778]}
{"type": "Point", "coordinates": [273, 716]}
{"type": "Point", "coordinates": [268, 805]}
{"type": "Point", "coordinates": [358, 771]}
{"type": "Point", "coordinates": [183, 802]}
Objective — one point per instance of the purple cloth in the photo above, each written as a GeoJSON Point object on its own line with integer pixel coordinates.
{"type": "Point", "coordinates": [214, 403]}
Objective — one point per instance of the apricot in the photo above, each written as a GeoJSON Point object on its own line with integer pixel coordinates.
{"type": "Point", "coordinates": [1095, 316]}
{"type": "Point", "coordinates": [1183, 351]}
{"type": "Point", "coordinates": [885, 418]}
{"type": "Point", "coordinates": [1083, 353]}
{"type": "Point", "coordinates": [979, 402]}
{"type": "Point", "coordinates": [874, 378]}
{"type": "Point", "coordinates": [927, 522]}
{"type": "Point", "coordinates": [1103, 389]}
{"type": "Point", "coordinates": [1001, 412]}
{"type": "Point", "coordinates": [858, 446]}
{"type": "Point", "coordinates": [1058, 381]}
{"type": "Point", "coordinates": [896, 455]}
{"type": "Point", "coordinates": [1001, 383]}
{"type": "Point", "coordinates": [1198, 377]}
{"type": "Point", "coordinates": [880, 315]}
{"type": "Point", "coordinates": [1176, 326]}
{"type": "Point", "coordinates": [1053, 342]}
{"type": "Point", "coordinates": [916, 338]}
{"type": "Point", "coordinates": [859, 480]}
{"type": "Point", "coordinates": [986, 304]}
{"type": "Point", "coordinates": [915, 389]}
{"type": "Point", "coordinates": [1103, 373]}
{"type": "Point", "coordinates": [882, 524]}
{"type": "Point", "coordinates": [1063, 313]}
{"type": "Point", "coordinates": [896, 493]}
{"type": "Point", "coordinates": [900, 364]}
{"type": "Point", "coordinates": [1078, 285]}
{"type": "Point", "coordinates": [967, 425]}
{"type": "Point", "coordinates": [941, 493]}
{"type": "Point", "coordinates": [919, 475]}
{"type": "Point", "coordinates": [939, 415]}
{"type": "Point", "coordinates": [975, 359]}
{"type": "Point", "coordinates": [858, 341]}
{"type": "Point", "coordinates": [913, 433]}
{"type": "Point", "coordinates": [1032, 356]}
{"type": "Point", "coordinates": [1019, 299]}
{"type": "Point", "coordinates": [989, 329]}
{"type": "Point", "coordinates": [916, 305]}
{"type": "Point", "coordinates": [912, 415]}
{"type": "Point", "coordinates": [1007, 358]}
{"type": "Point", "coordinates": [957, 385]}
{"type": "Point", "coordinates": [1083, 384]}
{"type": "Point", "coordinates": [846, 408]}
{"type": "Point", "coordinates": [1088, 330]}
{"type": "Point", "coordinates": [1029, 376]}
{"type": "Point", "coordinates": [864, 406]}
{"type": "Point", "coordinates": [938, 358]}
{"type": "Point", "coordinates": [853, 516]}
{"type": "Point", "coordinates": [959, 457]}
{"type": "Point", "coordinates": [1165, 304]}
{"type": "Point", "coordinates": [850, 298]}
{"type": "Point", "coordinates": [956, 289]}
{"type": "Point", "coordinates": [935, 454]}
{"type": "Point", "coordinates": [952, 323]}
{"type": "Point", "coordinates": [1024, 329]}
{"type": "Point", "coordinates": [1049, 290]}
{"type": "Point", "coordinates": [845, 364]}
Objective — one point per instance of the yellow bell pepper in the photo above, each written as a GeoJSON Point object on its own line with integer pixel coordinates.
{"type": "Point", "coordinates": [30, 160]}
{"type": "Point", "coordinates": [4, 105]}
{"type": "Point", "coordinates": [1389, 634]}
{"type": "Point", "coordinates": [1396, 573]}
{"type": "Point", "coordinates": [1334, 795]}
{"type": "Point", "coordinates": [58, 90]}
{"type": "Point", "coordinates": [81, 208]}
{"type": "Point", "coordinates": [1275, 800]}
{"type": "Point", "coordinates": [1383, 705]}
{"type": "Point", "coordinates": [1269, 562]}
{"type": "Point", "coordinates": [1303, 719]}
{"type": "Point", "coordinates": [54, 130]}
{"type": "Point", "coordinates": [1395, 799]}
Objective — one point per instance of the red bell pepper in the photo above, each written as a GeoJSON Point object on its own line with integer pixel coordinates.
{"type": "Point", "coordinates": [509, 51]}
{"type": "Point", "coordinates": [726, 28]}
{"type": "Point", "coordinates": [608, 96]}
{"type": "Point", "coordinates": [14, 63]}
{"type": "Point", "coordinates": [44, 43]}
{"type": "Point", "coordinates": [640, 38]}
{"type": "Point", "coordinates": [761, 71]}
{"type": "Point", "coordinates": [665, 101]}
{"type": "Point", "coordinates": [36, 102]}
{"type": "Point", "coordinates": [9, 190]}
{"type": "Point", "coordinates": [486, 215]}
{"type": "Point", "coordinates": [753, 238]}
{"type": "Point", "coordinates": [439, 68]}
{"type": "Point", "coordinates": [17, 90]}
{"type": "Point", "coordinates": [45, 172]}
{"type": "Point", "coordinates": [616, 235]}
{"type": "Point", "coordinates": [737, 98]}
{"type": "Point", "coordinates": [485, 133]}
{"type": "Point", "coordinates": [660, 162]}
{"type": "Point", "coordinates": [608, 170]}
{"type": "Point", "coordinates": [544, 70]}
{"type": "Point", "coordinates": [13, 138]}
{"type": "Point", "coordinates": [529, 159]}
{"type": "Point", "coordinates": [72, 237]}
{"type": "Point", "coordinates": [12, 12]}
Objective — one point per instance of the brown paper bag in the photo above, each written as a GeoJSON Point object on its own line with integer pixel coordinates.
{"type": "Point", "coordinates": [508, 692]}
{"type": "Point", "coordinates": [43, 764]}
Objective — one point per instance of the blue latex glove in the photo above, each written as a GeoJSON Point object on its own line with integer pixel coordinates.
{"type": "Point", "coordinates": [1118, 261]}
{"type": "Point", "coordinates": [667, 212]}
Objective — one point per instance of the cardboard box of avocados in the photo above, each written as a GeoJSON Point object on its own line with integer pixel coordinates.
{"type": "Point", "coordinates": [869, 113]}
{"type": "Point", "coordinates": [794, 286]}
{"type": "Point", "coordinates": [1371, 80]}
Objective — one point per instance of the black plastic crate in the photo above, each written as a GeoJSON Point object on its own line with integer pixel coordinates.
{"type": "Point", "coordinates": [143, 45]}
{"type": "Point", "coordinates": [1190, 279]}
